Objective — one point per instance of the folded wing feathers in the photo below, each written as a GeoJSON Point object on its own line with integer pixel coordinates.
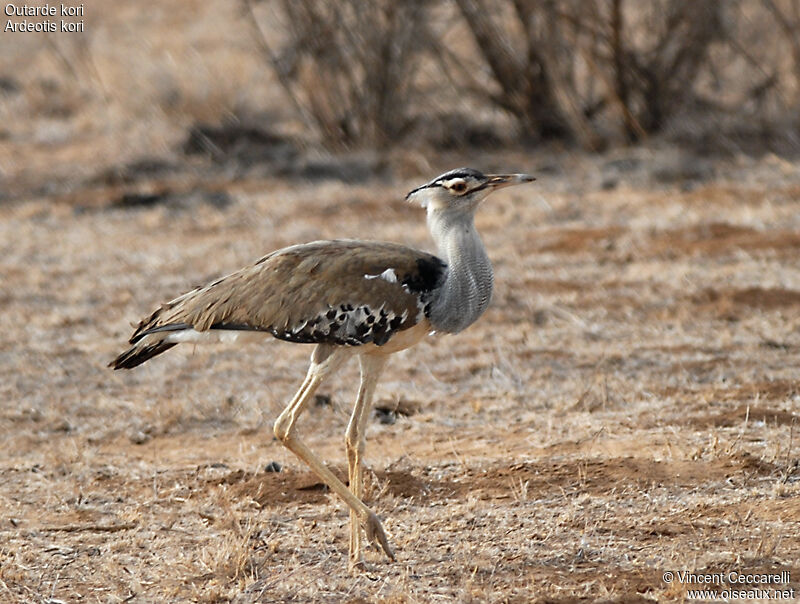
{"type": "Point", "coordinates": [293, 293]}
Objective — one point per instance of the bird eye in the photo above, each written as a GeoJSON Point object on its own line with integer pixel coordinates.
{"type": "Point", "coordinates": [459, 186]}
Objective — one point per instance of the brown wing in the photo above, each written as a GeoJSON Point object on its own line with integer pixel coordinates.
{"type": "Point", "coordinates": [342, 292]}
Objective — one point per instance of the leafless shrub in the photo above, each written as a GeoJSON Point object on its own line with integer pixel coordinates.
{"type": "Point", "coordinates": [360, 73]}
{"type": "Point", "coordinates": [748, 93]}
{"type": "Point", "coordinates": [526, 47]}
{"type": "Point", "coordinates": [346, 65]}
{"type": "Point", "coordinates": [558, 64]}
{"type": "Point", "coordinates": [787, 15]}
{"type": "Point", "coordinates": [654, 78]}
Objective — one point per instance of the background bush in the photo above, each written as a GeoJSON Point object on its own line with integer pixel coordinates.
{"type": "Point", "coordinates": [592, 73]}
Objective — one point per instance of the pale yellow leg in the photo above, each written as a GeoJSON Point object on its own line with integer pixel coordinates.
{"type": "Point", "coordinates": [325, 360]}
{"type": "Point", "coordinates": [355, 443]}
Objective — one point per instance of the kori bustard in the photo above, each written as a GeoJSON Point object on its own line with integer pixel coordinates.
{"type": "Point", "coordinates": [348, 297]}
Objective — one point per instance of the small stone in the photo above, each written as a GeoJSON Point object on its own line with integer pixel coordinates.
{"type": "Point", "coordinates": [322, 400]}
{"type": "Point", "coordinates": [386, 416]}
{"type": "Point", "coordinates": [139, 437]}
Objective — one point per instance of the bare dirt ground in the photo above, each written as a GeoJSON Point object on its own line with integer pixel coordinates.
{"type": "Point", "coordinates": [627, 406]}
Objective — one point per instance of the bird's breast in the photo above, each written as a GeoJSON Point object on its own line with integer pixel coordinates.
{"type": "Point", "coordinates": [463, 298]}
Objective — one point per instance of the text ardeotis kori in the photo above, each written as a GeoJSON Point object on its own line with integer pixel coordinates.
{"type": "Point", "coordinates": [347, 297]}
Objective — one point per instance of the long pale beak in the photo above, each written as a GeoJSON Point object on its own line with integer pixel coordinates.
{"type": "Point", "coordinates": [498, 181]}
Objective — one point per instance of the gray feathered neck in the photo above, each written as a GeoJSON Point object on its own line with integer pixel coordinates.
{"type": "Point", "coordinates": [467, 288]}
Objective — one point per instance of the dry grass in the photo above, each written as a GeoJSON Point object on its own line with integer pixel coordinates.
{"type": "Point", "coordinates": [627, 406]}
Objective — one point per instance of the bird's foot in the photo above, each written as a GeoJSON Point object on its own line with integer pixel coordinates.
{"type": "Point", "coordinates": [357, 566]}
{"type": "Point", "coordinates": [361, 569]}
{"type": "Point", "coordinates": [376, 535]}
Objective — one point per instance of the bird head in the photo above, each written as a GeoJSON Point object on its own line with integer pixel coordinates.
{"type": "Point", "coordinates": [462, 188]}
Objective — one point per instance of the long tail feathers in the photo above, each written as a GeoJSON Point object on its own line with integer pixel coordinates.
{"type": "Point", "coordinates": [138, 354]}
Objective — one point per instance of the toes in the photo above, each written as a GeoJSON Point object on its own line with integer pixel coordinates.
{"type": "Point", "coordinates": [375, 534]}
{"type": "Point", "coordinates": [357, 567]}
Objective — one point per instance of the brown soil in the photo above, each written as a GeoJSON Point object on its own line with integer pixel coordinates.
{"type": "Point", "coordinates": [628, 406]}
